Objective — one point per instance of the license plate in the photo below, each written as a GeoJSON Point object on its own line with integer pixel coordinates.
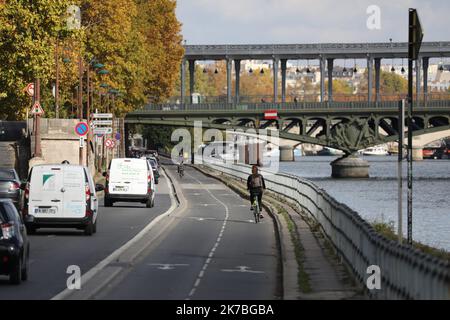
{"type": "Point", "coordinates": [120, 189]}
{"type": "Point", "coordinates": [45, 210]}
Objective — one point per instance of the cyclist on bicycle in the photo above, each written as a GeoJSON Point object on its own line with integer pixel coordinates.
{"type": "Point", "coordinates": [256, 186]}
{"type": "Point", "coordinates": [181, 165]}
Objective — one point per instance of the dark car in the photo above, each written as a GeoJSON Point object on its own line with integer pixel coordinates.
{"type": "Point", "coordinates": [155, 168]}
{"type": "Point", "coordinates": [10, 186]}
{"type": "Point", "coordinates": [14, 245]}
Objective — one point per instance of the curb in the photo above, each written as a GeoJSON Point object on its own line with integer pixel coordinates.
{"type": "Point", "coordinates": [105, 265]}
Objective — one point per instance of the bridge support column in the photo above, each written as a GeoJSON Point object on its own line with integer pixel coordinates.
{"type": "Point", "coordinates": [417, 154]}
{"type": "Point", "coordinates": [286, 153]}
{"type": "Point", "coordinates": [330, 79]}
{"type": "Point", "coordinates": [322, 79]}
{"type": "Point", "coordinates": [377, 79]}
{"type": "Point", "coordinates": [283, 80]}
{"type": "Point", "coordinates": [191, 79]}
{"type": "Point", "coordinates": [369, 78]}
{"type": "Point", "coordinates": [183, 81]}
{"type": "Point", "coordinates": [237, 71]}
{"type": "Point", "coordinates": [229, 94]}
{"type": "Point", "coordinates": [426, 64]}
{"type": "Point", "coordinates": [276, 62]}
{"type": "Point", "coordinates": [251, 153]}
{"type": "Point", "coordinates": [350, 167]}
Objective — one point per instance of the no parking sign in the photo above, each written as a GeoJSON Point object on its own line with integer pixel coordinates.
{"type": "Point", "coordinates": [82, 129]}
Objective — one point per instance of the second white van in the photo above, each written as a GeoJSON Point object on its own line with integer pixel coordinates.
{"type": "Point", "coordinates": [129, 180]}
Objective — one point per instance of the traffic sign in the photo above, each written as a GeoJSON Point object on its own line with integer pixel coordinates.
{"type": "Point", "coordinates": [102, 122]}
{"type": "Point", "coordinates": [37, 109]}
{"type": "Point", "coordinates": [81, 129]}
{"type": "Point", "coordinates": [29, 89]}
{"type": "Point", "coordinates": [415, 35]}
{"type": "Point", "coordinates": [270, 114]}
{"type": "Point", "coordinates": [102, 131]}
{"type": "Point", "coordinates": [118, 136]}
{"type": "Point", "coordinates": [109, 143]}
{"type": "Point", "coordinates": [102, 115]}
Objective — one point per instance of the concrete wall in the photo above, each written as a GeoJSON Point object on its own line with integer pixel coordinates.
{"type": "Point", "coordinates": [59, 141]}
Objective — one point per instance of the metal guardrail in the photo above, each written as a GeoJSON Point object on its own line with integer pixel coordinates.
{"type": "Point", "coordinates": [406, 273]}
{"type": "Point", "coordinates": [292, 106]}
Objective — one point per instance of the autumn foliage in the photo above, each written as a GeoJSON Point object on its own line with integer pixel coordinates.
{"type": "Point", "coordinates": [137, 41]}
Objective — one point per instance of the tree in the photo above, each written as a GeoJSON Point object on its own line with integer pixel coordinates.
{"type": "Point", "coordinates": [28, 30]}
{"type": "Point", "coordinates": [138, 41]}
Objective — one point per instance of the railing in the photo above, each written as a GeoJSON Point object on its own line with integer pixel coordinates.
{"type": "Point", "coordinates": [308, 97]}
{"type": "Point", "coordinates": [350, 50]}
{"type": "Point", "coordinates": [292, 106]}
{"type": "Point", "coordinates": [406, 273]}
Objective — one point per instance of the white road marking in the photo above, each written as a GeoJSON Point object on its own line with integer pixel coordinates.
{"type": "Point", "coordinates": [167, 266]}
{"type": "Point", "coordinates": [243, 269]}
{"type": "Point", "coordinates": [116, 254]}
{"type": "Point", "coordinates": [219, 237]}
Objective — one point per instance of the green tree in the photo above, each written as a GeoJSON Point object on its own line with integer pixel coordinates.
{"type": "Point", "coordinates": [28, 33]}
{"type": "Point", "coordinates": [138, 41]}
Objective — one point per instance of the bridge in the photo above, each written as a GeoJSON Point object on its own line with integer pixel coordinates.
{"type": "Point", "coordinates": [347, 126]}
{"type": "Point", "coordinates": [326, 54]}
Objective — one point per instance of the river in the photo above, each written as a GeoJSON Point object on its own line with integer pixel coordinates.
{"type": "Point", "coordinates": [376, 198]}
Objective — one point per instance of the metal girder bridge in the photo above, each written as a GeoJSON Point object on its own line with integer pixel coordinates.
{"type": "Point", "coordinates": [348, 127]}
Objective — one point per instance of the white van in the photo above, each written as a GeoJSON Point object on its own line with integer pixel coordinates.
{"type": "Point", "coordinates": [60, 196]}
{"type": "Point", "coordinates": [130, 180]}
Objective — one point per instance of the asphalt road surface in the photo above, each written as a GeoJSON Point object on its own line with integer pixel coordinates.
{"type": "Point", "coordinates": [213, 251]}
{"type": "Point", "coordinates": [210, 249]}
{"type": "Point", "coordinates": [53, 250]}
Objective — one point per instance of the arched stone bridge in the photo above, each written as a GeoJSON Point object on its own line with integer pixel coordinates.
{"type": "Point", "coordinates": [347, 126]}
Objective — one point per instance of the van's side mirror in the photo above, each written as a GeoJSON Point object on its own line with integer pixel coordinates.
{"type": "Point", "coordinates": [23, 186]}
{"type": "Point", "coordinates": [99, 187]}
{"type": "Point", "coordinates": [104, 174]}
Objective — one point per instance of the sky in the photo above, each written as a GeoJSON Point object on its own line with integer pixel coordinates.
{"type": "Point", "coordinates": [307, 21]}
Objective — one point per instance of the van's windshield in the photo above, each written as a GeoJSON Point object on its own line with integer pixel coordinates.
{"type": "Point", "coordinates": [128, 170]}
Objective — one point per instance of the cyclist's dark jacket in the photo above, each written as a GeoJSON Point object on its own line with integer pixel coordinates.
{"type": "Point", "coordinates": [255, 183]}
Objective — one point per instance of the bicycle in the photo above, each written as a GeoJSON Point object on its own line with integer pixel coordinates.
{"type": "Point", "coordinates": [256, 210]}
{"type": "Point", "coordinates": [181, 171]}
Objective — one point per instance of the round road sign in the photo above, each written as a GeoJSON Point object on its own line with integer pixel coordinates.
{"type": "Point", "coordinates": [29, 89]}
{"type": "Point", "coordinates": [118, 136]}
{"type": "Point", "coordinates": [81, 129]}
{"type": "Point", "coordinates": [109, 143]}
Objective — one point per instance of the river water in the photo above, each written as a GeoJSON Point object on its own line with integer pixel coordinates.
{"type": "Point", "coordinates": [375, 199]}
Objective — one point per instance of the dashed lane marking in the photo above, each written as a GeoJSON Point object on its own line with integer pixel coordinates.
{"type": "Point", "coordinates": [216, 244]}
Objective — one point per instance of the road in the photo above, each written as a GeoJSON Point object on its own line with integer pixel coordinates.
{"type": "Point", "coordinates": [215, 251]}
{"type": "Point", "coordinates": [212, 249]}
{"type": "Point", "coordinates": [53, 250]}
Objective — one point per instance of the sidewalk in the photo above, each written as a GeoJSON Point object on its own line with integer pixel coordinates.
{"type": "Point", "coordinates": [310, 269]}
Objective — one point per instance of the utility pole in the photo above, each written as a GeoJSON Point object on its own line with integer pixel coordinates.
{"type": "Point", "coordinates": [37, 121]}
{"type": "Point", "coordinates": [88, 114]}
{"type": "Point", "coordinates": [80, 88]}
{"type": "Point", "coordinates": [415, 41]}
{"type": "Point", "coordinates": [57, 80]}
{"type": "Point", "coordinates": [80, 102]}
